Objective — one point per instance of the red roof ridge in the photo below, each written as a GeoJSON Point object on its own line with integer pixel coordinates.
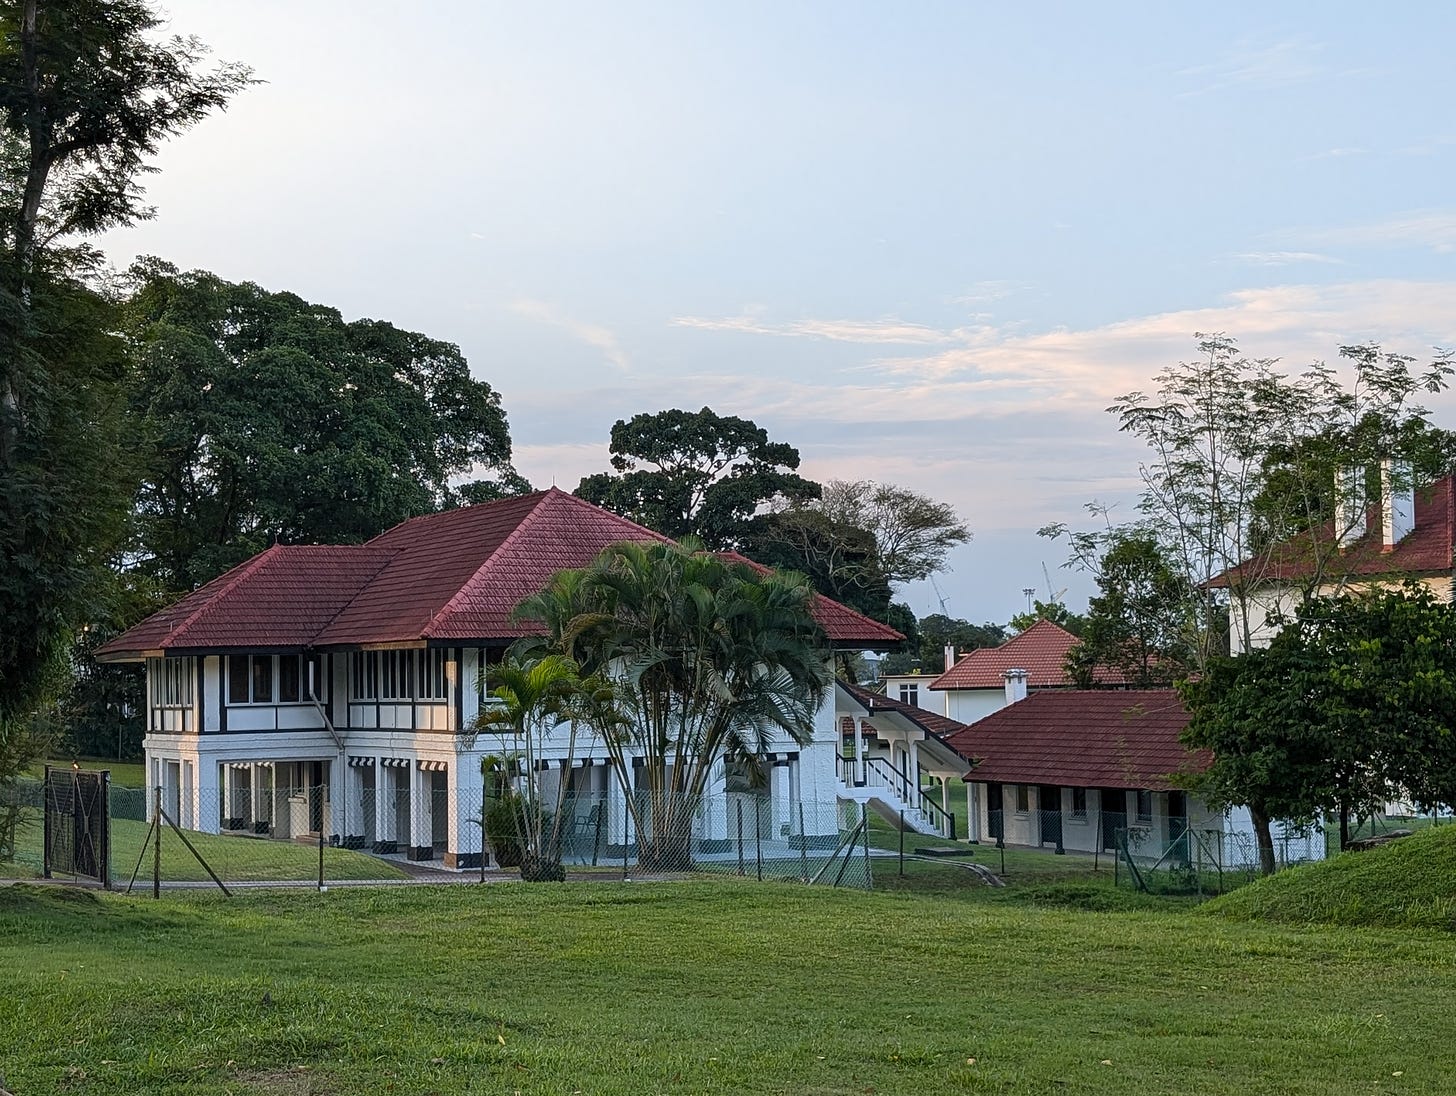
{"type": "Point", "coordinates": [465, 586]}
{"type": "Point", "coordinates": [435, 514]}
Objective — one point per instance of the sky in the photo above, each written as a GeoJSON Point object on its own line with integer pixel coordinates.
{"type": "Point", "coordinates": [925, 243]}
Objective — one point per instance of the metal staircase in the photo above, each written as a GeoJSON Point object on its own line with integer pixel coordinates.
{"type": "Point", "coordinates": [893, 794]}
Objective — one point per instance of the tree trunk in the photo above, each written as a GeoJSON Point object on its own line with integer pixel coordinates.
{"type": "Point", "coordinates": [1344, 824]}
{"type": "Point", "coordinates": [1264, 840]}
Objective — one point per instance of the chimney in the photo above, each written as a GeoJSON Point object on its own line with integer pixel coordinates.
{"type": "Point", "coordinates": [950, 655]}
{"type": "Point", "coordinates": [1015, 685]}
{"type": "Point", "coordinates": [1350, 509]}
{"type": "Point", "coordinates": [1397, 502]}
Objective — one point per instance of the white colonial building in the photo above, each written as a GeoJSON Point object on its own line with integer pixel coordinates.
{"type": "Point", "coordinates": [327, 689]}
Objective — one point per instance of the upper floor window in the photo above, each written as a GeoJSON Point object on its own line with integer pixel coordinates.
{"type": "Point", "coordinates": [172, 682]}
{"type": "Point", "coordinates": [399, 675]}
{"type": "Point", "coordinates": [273, 679]}
{"type": "Point", "coordinates": [910, 693]}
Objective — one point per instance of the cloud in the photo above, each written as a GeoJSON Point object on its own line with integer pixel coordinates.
{"type": "Point", "coordinates": [1282, 258]}
{"type": "Point", "coordinates": [847, 331]}
{"type": "Point", "coordinates": [604, 339]}
{"type": "Point", "coordinates": [1433, 228]}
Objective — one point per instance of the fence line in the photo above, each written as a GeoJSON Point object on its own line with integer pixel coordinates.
{"type": "Point", "coordinates": [311, 835]}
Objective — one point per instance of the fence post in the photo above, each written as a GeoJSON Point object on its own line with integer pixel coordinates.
{"type": "Point", "coordinates": [323, 813]}
{"type": "Point", "coordinates": [864, 822]}
{"type": "Point", "coordinates": [157, 848]}
{"type": "Point", "coordinates": [803, 847]}
{"type": "Point", "coordinates": [758, 835]}
{"type": "Point", "coordinates": [902, 844]}
{"type": "Point", "coordinates": [740, 837]}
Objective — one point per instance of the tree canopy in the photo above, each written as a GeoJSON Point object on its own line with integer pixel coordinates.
{"type": "Point", "coordinates": [265, 417]}
{"type": "Point", "coordinates": [87, 94]}
{"type": "Point", "coordinates": [1350, 705]}
{"type": "Point", "coordinates": [935, 633]}
{"type": "Point", "coordinates": [696, 473]}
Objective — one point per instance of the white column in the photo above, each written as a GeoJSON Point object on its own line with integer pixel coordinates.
{"type": "Point", "coordinates": [619, 823]}
{"type": "Point", "coordinates": [420, 838]}
{"type": "Point", "coordinates": [973, 813]}
{"type": "Point", "coordinates": [715, 804]}
{"type": "Point", "coordinates": [207, 810]}
{"type": "Point", "coordinates": [384, 795]}
{"type": "Point", "coordinates": [864, 754]}
{"type": "Point", "coordinates": [258, 813]}
{"type": "Point", "coordinates": [779, 805]}
{"type": "Point", "coordinates": [912, 773]}
{"type": "Point", "coordinates": [351, 821]}
{"type": "Point", "coordinates": [465, 792]}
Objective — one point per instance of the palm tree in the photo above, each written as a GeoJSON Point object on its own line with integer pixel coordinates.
{"type": "Point", "coordinates": [711, 660]}
{"type": "Point", "coordinates": [533, 697]}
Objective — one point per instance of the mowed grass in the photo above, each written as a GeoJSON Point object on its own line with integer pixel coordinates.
{"type": "Point", "coordinates": [234, 858]}
{"type": "Point", "coordinates": [1409, 883]}
{"type": "Point", "coordinates": [701, 987]}
{"type": "Point", "coordinates": [124, 774]}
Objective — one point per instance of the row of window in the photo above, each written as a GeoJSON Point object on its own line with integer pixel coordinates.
{"type": "Point", "coordinates": [273, 679]}
{"type": "Point", "coordinates": [399, 675]}
{"type": "Point", "coordinates": [1079, 803]}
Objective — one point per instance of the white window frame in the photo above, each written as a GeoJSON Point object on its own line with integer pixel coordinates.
{"type": "Point", "coordinates": [173, 682]}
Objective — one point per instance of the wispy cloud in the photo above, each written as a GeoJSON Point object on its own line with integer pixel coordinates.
{"type": "Point", "coordinates": [1433, 228]}
{"type": "Point", "coordinates": [848, 331]}
{"type": "Point", "coordinates": [1282, 258]}
{"type": "Point", "coordinates": [603, 338]}
{"type": "Point", "coordinates": [1274, 65]}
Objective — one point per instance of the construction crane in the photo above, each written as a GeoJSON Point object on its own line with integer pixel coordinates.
{"type": "Point", "coordinates": [1052, 598]}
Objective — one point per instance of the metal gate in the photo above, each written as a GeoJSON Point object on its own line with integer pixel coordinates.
{"type": "Point", "coordinates": [78, 824]}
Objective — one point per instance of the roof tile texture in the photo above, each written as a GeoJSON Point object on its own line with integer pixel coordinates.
{"type": "Point", "coordinates": [1041, 651]}
{"type": "Point", "coordinates": [1082, 738]}
{"type": "Point", "coordinates": [455, 575]}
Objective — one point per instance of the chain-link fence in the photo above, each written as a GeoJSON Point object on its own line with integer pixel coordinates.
{"type": "Point", "coordinates": [250, 832]}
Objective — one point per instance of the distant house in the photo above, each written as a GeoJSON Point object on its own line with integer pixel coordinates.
{"type": "Point", "coordinates": [1408, 533]}
{"type": "Point", "coordinates": [889, 747]}
{"type": "Point", "coordinates": [326, 687]}
{"type": "Point", "coordinates": [989, 678]}
{"type": "Point", "coordinates": [1069, 768]}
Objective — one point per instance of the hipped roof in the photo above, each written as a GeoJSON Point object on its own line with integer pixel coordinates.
{"type": "Point", "coordinates": [1428, 548]}
{"type": "Point", "coordinates": [1083, 738]}
{"type": "Point", "coordinates": [1041, 651]}
{"type": "Point", "coordinates": [454, 576]}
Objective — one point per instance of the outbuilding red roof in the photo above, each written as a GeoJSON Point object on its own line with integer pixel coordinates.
{"type": "Point", "coordinates": [1041, 651]}
{"type": "Point", "coordinates": [455, 575]}
{"type": "Point", "coordinates": [1427, 548]}
{"type": "Point", "coordinates": [1082, 738]}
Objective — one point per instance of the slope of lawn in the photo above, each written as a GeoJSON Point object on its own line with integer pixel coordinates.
{"type": "Point", "coordinates": [1409, 883]}
{"type": "Point", "coordinates": [700, 987]}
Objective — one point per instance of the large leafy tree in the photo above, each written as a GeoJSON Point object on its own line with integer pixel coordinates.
{"type": "Point", "coordinates": [1352, 702]}
{"type": "Point", "coordinates": [88, 92]}
{"type": "Point", "coordinates": [267, 417]}
{"type": "Point", "coordinates": [696, 473]}
{"type": "Point", "coordinates": [712, 660]}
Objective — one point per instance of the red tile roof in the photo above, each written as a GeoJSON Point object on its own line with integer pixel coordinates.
{"type": "Point", "coordinates": [455, 575]}
{"type": "Point", "coordinates": [1041, 651]}
{"type": "Point", "coordinates": [931, 722]}
{"type": "Point", "coordinates": [1082, 738]}
{"type": "Point", "coordinates": [1427, 548]}
{"type": "Point", "coordinates": [834, 617]}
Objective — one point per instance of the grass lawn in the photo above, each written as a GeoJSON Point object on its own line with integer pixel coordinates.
{"type": "Point", "coordinates": [701, 987]}
{"type": "Point", "coordinates": [124, 774]}
{"type": "Point", "coordinates": [234, 858]}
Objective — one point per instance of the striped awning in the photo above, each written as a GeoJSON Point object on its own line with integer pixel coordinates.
{"type": "Point", "coordinates": [434, 766]}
